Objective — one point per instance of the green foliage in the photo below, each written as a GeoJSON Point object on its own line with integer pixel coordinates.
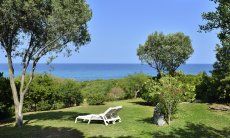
{"type": "Point", "coordinates": [133, 85]}
{"type": "Point", "coordinates": [211, 91]}
{"type": "Point", "coordinates": [170, 95]}
{"type": "Point", "coordinates": [165, 52]}
{"type": "Point", "coordinates": [42, 94]}
{"type": "Point", "coordinates": [151, 91]}
{"type": "Point", "coordinates": [47, 92]}
{"type": "Point", "coordinates": [48, 26]}
{"type": "Point", "coordinates": [6, 101]}
{"type": "Point", "coordinates": [95, 98]}
{"type": "Point", "coordinates": [70, 93]}
{"type": "Point", "coordinates": [189, 85]}
{"type": "Point", "coordinates": [152, 52]}
{"type": "Point", "coordinates": [116, 93]}
{"type": "Point", "coordinates": [219, 19]}
{"type": "Point", "coordinates": [95, 91]}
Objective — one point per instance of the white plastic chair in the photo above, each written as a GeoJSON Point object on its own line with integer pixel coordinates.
{"type": "Point", "coordinates": [110, 115]}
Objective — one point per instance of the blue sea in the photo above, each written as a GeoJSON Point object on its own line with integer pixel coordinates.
{"type": "Point", "coordinates": [83, 72]}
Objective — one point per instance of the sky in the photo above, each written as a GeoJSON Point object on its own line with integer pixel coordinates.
{"type": "Point", "coordinates": [119, 26]}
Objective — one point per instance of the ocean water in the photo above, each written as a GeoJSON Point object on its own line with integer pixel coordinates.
{"type": "Point", "coordinates": [84, 72]}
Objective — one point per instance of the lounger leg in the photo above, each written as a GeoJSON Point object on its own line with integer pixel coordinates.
{"type": "Point", "coordinates": [76, 120]}
{"type": "Point", "coordinates": [89, 121]}
{"type": "Point", "coordinates": [119, 120]}
{"type": "Point", "coordinates": [105, 121]}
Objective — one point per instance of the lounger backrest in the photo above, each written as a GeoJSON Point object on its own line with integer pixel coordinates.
{"type": "Point", "coordinates": [112, 112]}
{"type": "Point", "coordinates": [115, 113]}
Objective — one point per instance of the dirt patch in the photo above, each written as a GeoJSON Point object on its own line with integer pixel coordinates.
{"type": "Point", "coordinates": [220, 107]}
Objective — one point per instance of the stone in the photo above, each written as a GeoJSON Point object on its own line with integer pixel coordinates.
{"type": "Point", "coordinates": [158, 117]}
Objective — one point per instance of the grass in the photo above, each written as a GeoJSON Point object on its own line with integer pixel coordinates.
{"type": "Point", "coordinates": [192, 120]}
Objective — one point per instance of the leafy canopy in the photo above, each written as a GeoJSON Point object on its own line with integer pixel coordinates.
{"type": "Point", "coordinates": [33, 28]}
{"type": "Point", "coordinates": [165, 52]}
{"type": "Point", "coordinates": [220, 19]}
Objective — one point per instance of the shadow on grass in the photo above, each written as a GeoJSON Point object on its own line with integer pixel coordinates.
{"type": "Point", "coordinates": [53, 115]}
{"type": "Point", "coordinates": [111, 137]}
{"type": "Point", "coordinates": [146, 120]}
{"type": "Point", "coordinates": [192, 130]}
{"type": "Point", "coordinates": [39, 132]}
{"type": "Point", "coordinates": [142, 103]}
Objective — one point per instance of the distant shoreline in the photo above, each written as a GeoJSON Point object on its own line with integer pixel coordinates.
{"type": "Point", "coordinates": [86, 71]}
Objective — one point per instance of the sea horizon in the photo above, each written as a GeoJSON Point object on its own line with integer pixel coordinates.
{"type": "Point", "coordinates": [95, 71]}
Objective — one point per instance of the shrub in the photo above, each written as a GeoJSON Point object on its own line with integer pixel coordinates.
{"type": "Point", "coordinates": [43, 93]}
{"type": "Point", "coordinates": [95, 98]}
{"type": "Point", "coordinates": [95, 91]}
{"type": "Point", "coordinates": [47, 92]}
{"type": "Point", "coordinates": [212, 90]}
{"type": "Point", "coordinates": [70, 93]}
{"type": "Point", "coordinates": [115, 93]}
{"type": "Point", "coordinates": [167, 92]}
{"type": "Point", "coordinates": [133, 85]}
{"type": "Point", "coordinates": [170, 95]}
{"type": "Point", "coordinates": [6, 101]}
{"type": "Point", "coordinates": [189, 85]}
{"type": "Point", "coordinates": [151, 91]}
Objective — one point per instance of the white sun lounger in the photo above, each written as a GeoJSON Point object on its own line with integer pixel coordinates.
{"type": "Point", "coordinates": [110, 115]}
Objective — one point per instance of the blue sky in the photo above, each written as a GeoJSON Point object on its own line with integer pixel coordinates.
{"type": "Point", "coordinates": [119, 26]}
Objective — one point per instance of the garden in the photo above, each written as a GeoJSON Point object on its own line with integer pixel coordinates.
{"type": "Point", "coordinates": [167, 104]}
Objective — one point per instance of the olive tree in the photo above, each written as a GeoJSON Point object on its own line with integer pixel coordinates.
{"type": "Point", "coordinates": [30, 30]}
{"type": "Point", "coordinates": [220, 20]}
{"type": "Point", "coordinates": [152, 52]}
{"type": "Point", "coordinates": [165, 52]}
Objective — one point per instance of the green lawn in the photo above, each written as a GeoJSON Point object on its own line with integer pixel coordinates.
{"type": "Point", "coordinates": [192, 120]}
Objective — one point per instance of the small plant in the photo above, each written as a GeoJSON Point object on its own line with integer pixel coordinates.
{"type": "Point", "coordinates": [115, 93]}
{"type": "Point", "coordinates": [166, 92]}
{"type": "Point", "coordinates": [95, 98]}
{"type": "Point", "coordinates": [170, 96]}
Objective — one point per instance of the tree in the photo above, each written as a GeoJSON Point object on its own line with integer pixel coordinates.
{"type": "Point", "coordinates": [165, 52]}
{"type": "Point", "coordinates": [178, 49]}
{"type": "Point", "coordinates": [152, 52]}
{"type": "Point", "coordinates": [219, 19]}
{"type": "Point", "coordinates": [30, 30]}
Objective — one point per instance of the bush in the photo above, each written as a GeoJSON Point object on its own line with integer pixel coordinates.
{"type": "Point", "coordinates": [165, 92]}
{"type": "Point", "coordinates": [115, 93]}
{"type": "Point", "coordinates": [70, 93]}
{"type": "Point", "coordinates": [170, 95]}
{"type": "Point", "coordinates": [151, 91]}
{"type": "Point", "coordinates": [212, 89]}
{"type": "Point", "coordinates": [133, 85]}
{"type": "Point", "coordinates": [95, 98]}
{"type": "Point", "coordinates": [6, 101]}
{"type": "Point", "coordinates": [47, 92]}
{"type": "Point", "coordinates": [43, 93]}
{"type": "Point", "coordinates": [95, 91]}
{"type": "Point", "coordinates": [189, 85]}
{"type": "Point", "coordinates": [188, 82]}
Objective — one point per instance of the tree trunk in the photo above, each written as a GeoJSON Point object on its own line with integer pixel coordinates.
{"type": "Point", "coordinates": [18, 117]}
{"type": "Point", "coordinates": [17, 104]}
{"type": "Point", "coordinates": [172, 73]}
{"type": "Point", "coordinates": [136, 93]}
{"type": "Point", "coordinates": [169, 119]}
